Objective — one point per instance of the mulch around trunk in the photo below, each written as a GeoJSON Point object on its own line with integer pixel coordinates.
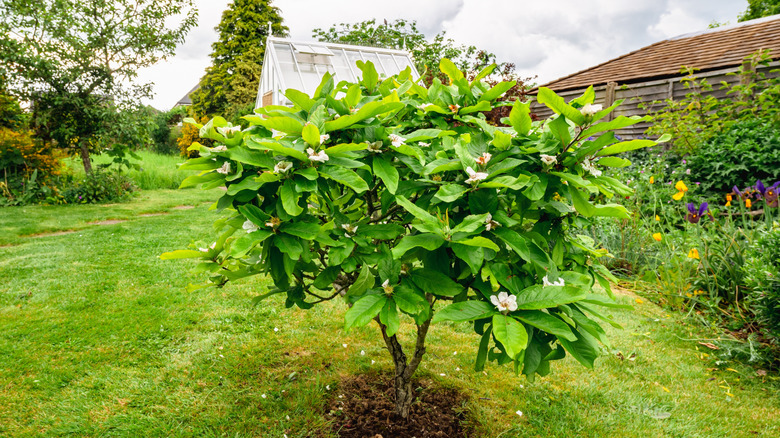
{"type": "Point", "coordinates": [362, 407]}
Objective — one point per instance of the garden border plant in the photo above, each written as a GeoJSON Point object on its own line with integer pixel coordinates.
{"type": "Point", "coordinates": [395, 197]}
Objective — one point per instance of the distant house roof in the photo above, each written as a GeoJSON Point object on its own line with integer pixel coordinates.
{"type": "Point", "coordinates": [186, 101]}
{"type": "Point", "coordinates": [707, 50]}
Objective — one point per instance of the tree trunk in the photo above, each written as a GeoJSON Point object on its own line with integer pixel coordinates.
{"type": "Point", "coordinates": [84, 153]}
{"type": "Point", "coordinates": [404, 393]}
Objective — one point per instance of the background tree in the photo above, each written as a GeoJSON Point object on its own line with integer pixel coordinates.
{"type": "Point", "coordinates": [75, 61]}
{"type": "Point", "coordinates": [229, 86]}
{"type": "Point", "coordinates": [760, 8]}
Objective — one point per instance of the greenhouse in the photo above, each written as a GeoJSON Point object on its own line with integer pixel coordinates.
{"type": "Point", "coordinates": [301, 65]}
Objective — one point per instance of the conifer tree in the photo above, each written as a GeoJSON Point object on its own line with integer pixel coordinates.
{"type": "Point", "coordinates": [229, 86]}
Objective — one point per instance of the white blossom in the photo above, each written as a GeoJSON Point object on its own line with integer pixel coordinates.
{"type": "Point", "coordinates": [276, 134]}
{"type": "Point", "coordinates": [475, 176]}
{"type": "Point", "coordinates": [225, 169]}
{"type": "Point", "coordinates": [249, 227]}
{"type": "Point", "coordinates": [490, 223]}
{"type": "Point", "coordinates": [228, 130]}
{"type": "Point", "coordinates": [549, 159]}
{"type": "Point", "coordinates": [423, 144]}
{"type": "Point", "coordinates": [282, 167]}
{"type": "Point", "coordinates": [519, 413]}
{"type": "Point", "coordinates": [320, 156]}
{"type": "Point", "coordinates": [589, 167]}
{"type": "Point", "coordinates": [362, 352]}
{"type": "Point", "coordinates": [484, 159]}
{"type": "Point", "coordinates": [324, 138]}
{"type": "Point", "coordinates": [220, 148]}
{"type": "Point", "coordinates": [375, 146]}
{"type": "Point", "coordinates": [350, 229]}
{"type": "Point", "coordinates": [546, 282]}
{"type": "Point", "coordinates": [590, 109]}
{"type": "Point", "coordinates": [424, 105]}
{"type": "Point", "coordinates": [504, 302]}
{"type": "Point", "coordinates": [386, 286]}
{"type": "Point", "coordinates": [396, 140]}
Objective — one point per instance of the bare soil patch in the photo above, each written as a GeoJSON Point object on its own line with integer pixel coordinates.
{"type": "Point", "coordinates": [183, 207]}
{"type": "Point", "coordinates": [159, 213]}
{"type": "Point", "coordinates": [107, 222]}
{"type": "Point", "coordinates": [50, 233]}
{"type": "Point", "coordinates": [362, 407]}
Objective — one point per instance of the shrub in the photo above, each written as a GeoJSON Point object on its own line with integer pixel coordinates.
{"type": "Point", "coordinates": [405, 203]}
{"type": "Point", "coordinates": [98, 187]}
{"type": "Point", "coordinates": [28, 168]}
{"type": "Point", "coordinates": [190, 135]}
{"type": "Point", "coordinates": [743, 152]}
{"type": "Point", "coordinates": [763, 276]}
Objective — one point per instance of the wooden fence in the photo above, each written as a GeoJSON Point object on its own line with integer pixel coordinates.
{"type": "Point", "coordinates": [651, 95]}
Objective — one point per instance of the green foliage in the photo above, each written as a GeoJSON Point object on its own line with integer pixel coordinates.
{"type": "Point", "coordinates": [760, 8]}
{"type": "Point", "coordinates": [165, 130]}
{"type": "Point", "coordinates": [762, 274]}
{"type": "Point", "coordinates": [405, 201]}
{"type": "Point", "coordinates": [99, 186]}
{"type": "Point", "coordinates": [230, 83]}
{"type": "Point", "coordinates": [11, 114]}
{"type": "Point", "coordinates": [28, 168]}
{"type": "Point", "coordinates": [72, 59]}
{"type": "Point", "coordinates": [739, 155]}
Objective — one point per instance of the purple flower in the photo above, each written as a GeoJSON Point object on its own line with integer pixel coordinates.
{"type": "Point", "coordinates": [694, 215]}
{"type": "Point", "coordinates": [684, 162]}
{"type": "Point", "coordinates": [770, 194]}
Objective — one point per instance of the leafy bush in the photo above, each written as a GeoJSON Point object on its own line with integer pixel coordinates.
{"type": "Point", "coordinates": [98, 187]}
{"type": "Point", "coordinates": [743, 152]}
{"type": "Point", "coordinates": [763, 276]}
{"type": "Point", "coordinates": [189, 135]}
{"type": "Point", "coordinates": [165, 131]}
{"type": "Point", "coordinates": [28, 168]}
{"type": "Point", "coordinates": [404, 201]}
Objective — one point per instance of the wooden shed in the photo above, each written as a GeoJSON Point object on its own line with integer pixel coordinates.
{"type": "Point", "coordinates": [652, 73]}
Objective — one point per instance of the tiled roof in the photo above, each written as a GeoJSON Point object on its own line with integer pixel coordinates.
{"type": "Point", "coordinates": [711, 49]}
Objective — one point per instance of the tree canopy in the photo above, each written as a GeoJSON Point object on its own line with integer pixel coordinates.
{"type": "Point", "coordinates": [229, 86]}
{"type": "Point", "coordinates": [760, 8]}
{"type": "Point", "coordinates": [75, 60]}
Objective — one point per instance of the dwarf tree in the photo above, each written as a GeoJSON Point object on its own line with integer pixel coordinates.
{"type": "Point", "coordinates": [405, 204]}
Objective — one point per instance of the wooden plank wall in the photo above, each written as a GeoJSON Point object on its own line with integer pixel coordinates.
{"type": "Point", "coordinates": [652, 91]}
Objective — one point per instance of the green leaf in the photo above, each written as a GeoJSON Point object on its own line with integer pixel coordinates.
{"type": "Point", "coordinates": [483, 105]}
{"type": "Point", "coordinates": [300, 98]}
{"type": "Point", "coordinates": [614, 162]}
{"type": "Point", "coordinates": [194, 180]}
{"type": "Point", "coordinates": [600, 300]}
{"type": "Point", "coordinates": [287, 125]}
{"type": "Point", "coordinates": [450, 69]}
{"type": "Point", "coordinates": [510, 333]}
{"type": "Point", "coordinates": [428, 241]}
{"type": "Point", "coordinates": [450, 192]}
{"type": "Point", "coordinates": [344, 176]}
{"type": "Point", "coordinates": [387, 173]}
{"type": "Point", "coordinates": [617, 123]}
{"type": "Point", "coordinates": [497, 90]}
{"type": "Point", "coordinates": [409, 301]}
{"type": "Point", "coordinates": [541, 297]}
{"type": "Point", "coordinates": [416, 211]}
{"type": "Point", "coordinates": [473, 256]}
{"type": "Point", "coordinates": [364, 282]}
{"type": "Point", "coordinates": [556, 103]}
{"type": "Point", "coordinates": [506, 181]}
{"type": "Point", "coordinates": [585, 208]}
{"type": "Point", "coordinates": [288, 245]}
{"type": "Point", "coordinates": [304, 230]}
{"type": "Point", "coordinates": [480, 242]}
{"type": "Point", "coordinates": [252, 143]}
{"type": "Point", "coordinates": [546, 322]}
{"type": "Point", "coordinates": [181, 254]}
{"type": "Point", "coordinates": [631, 145]}
{"type": "Point", "coordinates": [368, 110]}
{"type": "Point", "coordinates": [465, 311]}
{"type": "Point", "coordinates": [434, 282]}
{"type": "Point", "coordinates": [585, 349]}
{"type": "Point", "coordinates": [520, 117]}
{"type": "Point", "coordinates": [241, 246]}
{"type": "Point", "coordinates": [364, 310]}
{"type": "Point", "coordinates": [290, 197]}
{"type": "Point", "coordinates": [479, 364]}
{"type": "Point", "coordinates": [254, 214]}
{"type": "Point", "coordinates": [311, 134]}
{"type": "Point", "coordinates": [389, 317]}
{"type": "Point", "coordinates": [370, 76]}
{"type": "Point", "coordinates": [326, 278]}
{"type": "Point", "coordinates": [381, 231]}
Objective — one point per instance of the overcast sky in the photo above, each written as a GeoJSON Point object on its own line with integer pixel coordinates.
{"type": "Point", "coordinates": [547, 38]}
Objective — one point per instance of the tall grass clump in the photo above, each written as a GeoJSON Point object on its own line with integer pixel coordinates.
{"type": "Point", "coordinates": [157, 171]}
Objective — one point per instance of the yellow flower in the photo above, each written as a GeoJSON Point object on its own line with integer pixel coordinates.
{"type": "Point", "coordinates": [728, 204]}
{"type": "Point", "coordinates": [693, 254]}
{"type": "Point", "coordinates": [748, 204]}
{"type": "Point", "coordinates": [677, 196]}
{"type": "Point", "coordinates": [657, 236]}
{"type": "Point", "coordinates": [652, 180]}
{"type": "Point", "coordinates": [680, 186]}
{"type": "Point", "coordinates": [658, 218]}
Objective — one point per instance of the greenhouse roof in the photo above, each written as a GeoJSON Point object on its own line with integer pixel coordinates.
{"type": "Point", "coordinates": [301, 65]}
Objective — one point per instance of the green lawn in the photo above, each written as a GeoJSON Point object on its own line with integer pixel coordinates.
{"type": "Point", "coordinates": [99, 337]}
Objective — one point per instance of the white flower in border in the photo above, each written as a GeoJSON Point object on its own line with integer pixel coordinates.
{"type": "Point", "coordinates": [225, 169]}
{"type": "Point", "coordinates": [546, 282]}
{"type": "Point", "coordinates": [220, 148]}
{"type": "Point", "coordinates": [249, 226]}
{"type": "Point", "coordinates": [375, 146]}
{"type": "Point", "coordinates": [396, 140]}
{"type": "Point", "coordinates": [228, 130]}
{"type": "Point", "coordinates": [324, 138]}
{"type": "Point", "coordinates": [484, 159]}
{"type": "Point", "coordinates": [320, 156]}
{"type": "Point", "coordinates": [548, 159]}
{"type": "Point", "coordinates": [282, 167]}
{"type": "Point", "coordinates": [590, 109]}
{"type": "Point", "coordinates": [350, 229]}
{"type": "Point", "coordinates": [475, 176]}
{"type": "Point", "coordinates": [423, 144]}
{"type": "Point", "coordinates": [424, 105]}
{"type": "Point", "coordinates": [490, 223]}
{"type": "Point", "coordinates": [589, 167]}
{"type": "Point", "coordinates": [504, 302]}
